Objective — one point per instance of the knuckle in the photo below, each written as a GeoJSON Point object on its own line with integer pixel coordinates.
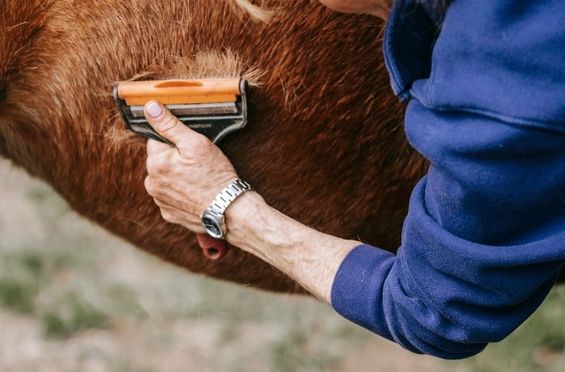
{"type": "Point", "coordinates": [201, 144]}
{"type": "Point", "coordinates": [155, 165]}
{"type": "Point", "coordinates": [157, 201]}
{"type": "Point", "coordinates": [168, 216]}
{"type": "Point", "coordinates": [150, 165]}
{"type": "Point", "coordinates": [169, 123]}
{"type": "Point", "coordinates": [149, 185]}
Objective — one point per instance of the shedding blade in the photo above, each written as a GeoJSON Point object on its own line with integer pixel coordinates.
{"type": "Point", "coordinates": [212, 107]}
{"type": "Point", "coordinates": [179, 91]}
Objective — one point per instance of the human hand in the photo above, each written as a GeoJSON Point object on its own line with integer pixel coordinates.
{"type": "Point", "coordinates": [183, 178]}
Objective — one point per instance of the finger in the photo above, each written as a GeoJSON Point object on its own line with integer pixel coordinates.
{"type": "Point", "coordinates": [157, 147]}
{"type": "Point", "coordinates": [171, 215]}
{"type": "Point", "coordinates": [163, 204]}
{"type": "Point", "coordinates": [166, 124]}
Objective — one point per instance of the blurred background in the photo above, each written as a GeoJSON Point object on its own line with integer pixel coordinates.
{"type": "Point", "coordinates": [74, 298]}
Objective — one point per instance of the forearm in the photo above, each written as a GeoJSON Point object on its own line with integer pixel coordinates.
{"type": "Point", "coordinates": [306, 255]}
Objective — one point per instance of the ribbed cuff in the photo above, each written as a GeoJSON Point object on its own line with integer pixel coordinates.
{"type": "Point", "coordinates": [358, 287]}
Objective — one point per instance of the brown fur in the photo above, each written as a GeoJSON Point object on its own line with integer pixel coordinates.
{"type": "Point", "coordinates": [325, 143]}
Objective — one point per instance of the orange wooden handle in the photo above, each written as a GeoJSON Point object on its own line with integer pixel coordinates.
{"type": "Point", "coordinates": [138, 93]}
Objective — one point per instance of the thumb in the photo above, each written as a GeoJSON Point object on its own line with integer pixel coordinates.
{"type": "Point", "coordinates": [165, 123]}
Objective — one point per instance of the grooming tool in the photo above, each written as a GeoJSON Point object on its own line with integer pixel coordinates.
{"type": "Point", "coordinates": [212, 107]}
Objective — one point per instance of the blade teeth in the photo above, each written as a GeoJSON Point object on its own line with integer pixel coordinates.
{"type": "Point", "coordinates": [199, 109]}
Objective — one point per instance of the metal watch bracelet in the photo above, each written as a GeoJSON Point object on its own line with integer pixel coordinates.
{"type": "Point", "coordinates": [213, 216]}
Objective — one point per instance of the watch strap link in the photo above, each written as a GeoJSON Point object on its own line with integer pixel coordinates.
{"type": "Point", "coordinates": [213, 216]}
{"type": "Point", "coordinates": [225, 197]}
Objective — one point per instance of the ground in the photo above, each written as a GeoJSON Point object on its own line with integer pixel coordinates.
{"type": "Point", "coordinates": [74, 298]}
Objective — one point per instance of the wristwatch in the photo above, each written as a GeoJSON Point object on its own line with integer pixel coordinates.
{"type": "Point", "coordinates": [213, 217]}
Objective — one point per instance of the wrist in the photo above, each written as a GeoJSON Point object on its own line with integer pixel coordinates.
{"type": "Point", "coordinates": [256, 227]}
{"type": "Point", "coordinates": [239, 217]}
{"type": "Point", "coordinates": [213, 217]}
{"type": "Point", "coordinates": [308, 256]}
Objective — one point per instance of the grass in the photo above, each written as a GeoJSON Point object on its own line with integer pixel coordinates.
{"type": "Point", "coordinates": [18, 295]}
{"type": "Point", "coordinates": [89, 299]}
{"type": "Point", "coordinates": [28, 275]}
{"type": "Point", "coordinates": [71, 315]}
{"type": "Point", "coordinates": [538, 345]}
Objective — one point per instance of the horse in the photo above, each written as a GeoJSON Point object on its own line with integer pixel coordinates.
{"type": "Point", "coordinates": [324, 145]}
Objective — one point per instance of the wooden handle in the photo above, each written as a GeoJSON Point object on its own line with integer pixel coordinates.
{"type": "Point", "coordinates": [138, 93]}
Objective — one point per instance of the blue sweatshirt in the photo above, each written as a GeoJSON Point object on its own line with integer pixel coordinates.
{"type": "Point", "coordinates": [484, 238]}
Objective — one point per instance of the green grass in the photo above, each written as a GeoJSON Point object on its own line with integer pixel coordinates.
{"type": "Point", "coordinates": [18, 295]}
{"type": "Point", "coordinates": [71, 315]}
{"type": "Point", "coordinates": [537, 345]}
{"type": "Point", "coordinates": [72, 280]}
{"type": "Point", "coordinates": [22, 275]}
{"type": "Point", "coordinates": [37, 280]}
{"type": "Point", "coordinates": [28, 274]}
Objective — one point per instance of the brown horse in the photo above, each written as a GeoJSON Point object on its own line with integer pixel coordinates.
{"type": "Point", "coordinates": [325, 143]}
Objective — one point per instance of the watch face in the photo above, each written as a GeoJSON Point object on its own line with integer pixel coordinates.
{"type": "Point", "coordinates": [212, 227]}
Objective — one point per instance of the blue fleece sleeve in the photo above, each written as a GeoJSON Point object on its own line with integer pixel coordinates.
{"type": "Point", "coordinates": [482, 243]}
{"type": "Point", "coordinates": [484, 238]}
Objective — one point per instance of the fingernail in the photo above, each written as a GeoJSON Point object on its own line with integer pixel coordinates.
{"type": "Point", "coordinates": [154, 109]}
